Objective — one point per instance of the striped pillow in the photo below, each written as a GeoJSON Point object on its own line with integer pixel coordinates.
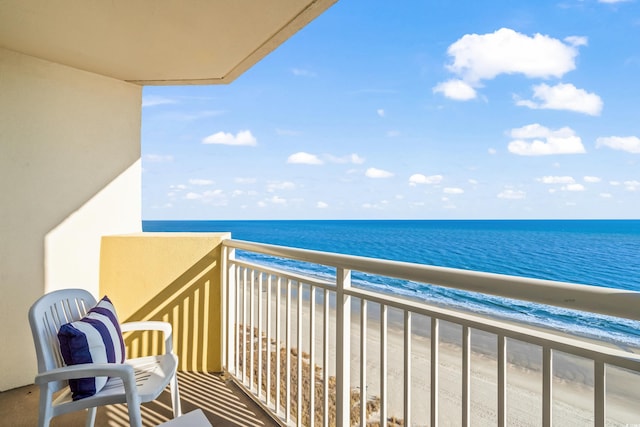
{"type": "Point", "coordinates": [96, 338]}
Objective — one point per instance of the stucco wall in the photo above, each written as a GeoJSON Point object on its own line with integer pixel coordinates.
{"type": "Point", "coordinates": [70, 166]}
{"type": "Point", "coordinates": [174, 277]}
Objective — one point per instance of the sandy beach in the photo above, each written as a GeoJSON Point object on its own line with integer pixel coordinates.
{"type": "Point", "coordinates": [572, 385]}
{"type": "Point", "coordinates": [573, 399]}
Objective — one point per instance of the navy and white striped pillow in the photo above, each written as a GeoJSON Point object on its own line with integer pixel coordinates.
{"type": "Point", "coordinates": [96, 338]}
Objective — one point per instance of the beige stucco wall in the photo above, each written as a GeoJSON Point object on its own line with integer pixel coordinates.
{"type": "Point", "coordinates": [70, 166]}
{"type": "Point", "coordinates": [173, 277]}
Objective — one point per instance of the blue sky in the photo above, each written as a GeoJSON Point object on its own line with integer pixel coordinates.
{"type": "Point", "coordinates": [412, 110]}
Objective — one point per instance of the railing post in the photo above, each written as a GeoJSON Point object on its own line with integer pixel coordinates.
{"type": "Point", "coordinates": [343, 348]}
{"type": "Point", "coordinates": [466, 376]}
{"type": "Point", "coordinates": [325, 359]}
{"type": "Point", "coordinates": [312, 356]}
{"type": "Point", "coordinates": [547, 387]}
{"type": "Point", "coordinates": [435, 370]}
{"type": "Point", "coordinates": [228, 285]}
{"type": "Point", "coordinates": [363, 363]}
{"type": "Point", "coordinates": [502, 381]}
{"type": "Point", "coordinates": [599, 394]}
{"type": "Point", "coordinates": [383, 364]}
{"type": "Point", "coordinates": [407, 368]}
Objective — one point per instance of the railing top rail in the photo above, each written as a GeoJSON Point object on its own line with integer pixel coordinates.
{"type": "Point", "coordinates": [558, 341]}
{"type": "Point", "coordinates": [607, 301]}
{"type": "Point", "coordinates": [313, 281]}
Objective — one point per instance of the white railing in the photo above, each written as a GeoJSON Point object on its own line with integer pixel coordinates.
{"type": "Point", "coordinates": [288, 341]}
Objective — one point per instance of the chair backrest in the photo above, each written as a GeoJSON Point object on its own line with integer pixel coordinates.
{"type": "Point", "coordinates": [47, 314]}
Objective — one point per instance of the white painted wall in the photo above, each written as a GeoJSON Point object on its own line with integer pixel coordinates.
{"type": "Point", "coordinates": [70, 172]}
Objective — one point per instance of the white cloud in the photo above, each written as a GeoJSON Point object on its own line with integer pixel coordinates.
{"type": "Point", "coordinates": [213, 197]}
{"type": "Point", "coordinates": [482, 57]}
{"type": "Point", "coordinates": [630, 144]}
{"type": "Point", "coordinates": [393, 133]}
{"type": "Point", "coordinates": [456, 89]}
{"type": "Point", "coordinates": [158, 158]}
{"type": "Point", "coordinates": [277, 200]}
{"type": "Point", "coordinates": [284, 185]}
{"type": "Point", "coordinates": [303, 72]}
{"type": "Point", "coordinates": [492, 151]}
{"type": "Point", "coordinates": [591, 179]}
{"type": "Point", "coordinates": [377, 173]}
{"type": "Point", "coordinates": [473, 181]}
{"type": "Point", "coordinates": [563, 97]}
{"type": "Point", "coordinates": [153, 100]}
{"type": "Point", "coordinates": [453, 190]}
{"type": "Point", "coordinates": [244, 137]}
{"type": "Point", "coordinates": [577, 40]}
{"type": "Point", "coordinates": [606, 195]}
{"type": "Point", "coordinates": [419, 178]}
{"type": "Point", "coordinates": [556, 180]}
{"type": "Point", "coordinates": [537, 140]}
{"type": "Point", "coordinates": [197, 181]}
{"type": "Point", "coordinates": [380, 205]}
{"type": "Point", "coordinates": [322, 205]}
{"type": "Point", "coordinates": [612, 1]}
{"type": "Point", "coordinates": [350, 158]}
{"type": "Point", "coordinates": [380, 112]}
{"type": "Point", "coordinates": [632, 185]}
{"type": "Point", "coordinates": [355, 159]}
{"type": "Point", "coordinates": [534, 130]}
{"type": "Point", "coordinates": [176, 189]}
{"type": "Point", "coordinates": [245, 180]}
{"type": "Point", "coordinates": [512, 194]}
{"type": "Point", "coordinates": [572, 187]}
{"type": "Point", "coordinates": [302, 158]}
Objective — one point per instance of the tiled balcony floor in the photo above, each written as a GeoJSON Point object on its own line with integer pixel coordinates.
{"type": "Point", "coordinates": [222, 401]}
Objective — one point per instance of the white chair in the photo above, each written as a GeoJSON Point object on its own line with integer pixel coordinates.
{"type": "Point", "coordinates": [136, 381]}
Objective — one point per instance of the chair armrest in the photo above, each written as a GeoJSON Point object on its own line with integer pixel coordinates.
{"type": "Point", "coordinates": [152, 325]}
{"type": "Point", "coordinates": [85, 370]}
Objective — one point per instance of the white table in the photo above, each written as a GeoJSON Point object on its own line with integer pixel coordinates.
{"type": "Point", "coordinates": [192, 419]}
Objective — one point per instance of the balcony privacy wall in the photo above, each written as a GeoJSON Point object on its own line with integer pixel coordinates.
{"type": "Point", "coordinates": [173, 277]}
{"type": "Point", "coordinates": [70, 167]}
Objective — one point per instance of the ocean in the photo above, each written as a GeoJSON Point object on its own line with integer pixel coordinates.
{"type": "Point", "coordinates": [602, 253]}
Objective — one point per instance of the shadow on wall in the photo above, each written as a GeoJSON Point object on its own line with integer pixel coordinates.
{"type": "Point", "coordinates": [191, 303]}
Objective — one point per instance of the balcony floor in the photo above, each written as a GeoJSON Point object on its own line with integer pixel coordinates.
{"type": "Point", "coordinates": [223, 402]}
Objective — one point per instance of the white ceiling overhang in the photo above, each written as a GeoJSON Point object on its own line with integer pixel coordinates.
{"type": "Point", "coordinates": [155, 42]}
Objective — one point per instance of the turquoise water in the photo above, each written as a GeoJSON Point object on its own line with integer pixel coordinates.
{"type": "Point", "coordinates": [593, 252]}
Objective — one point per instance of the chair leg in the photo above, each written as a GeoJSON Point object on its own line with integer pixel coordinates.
{"type": "Point", "coordinates": [45, 411]}
{"type": "Point", "coordinates": [91, 417]}
{"type": "Point", "coordinates": [175, 396]}
{"type": "Point", "coordinates": [135, 417]}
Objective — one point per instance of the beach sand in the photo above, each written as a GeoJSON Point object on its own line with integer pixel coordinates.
{"type": "Point", "coordinates": [572, 385]}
